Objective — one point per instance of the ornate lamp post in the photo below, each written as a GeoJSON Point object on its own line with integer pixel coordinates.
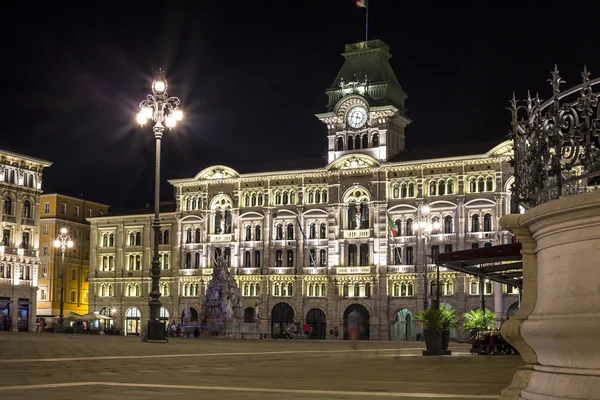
{"type": "Point", "coordinates": [425, 227]}
{"type": "Point", "coordinates": [160, 108]}
{"type": "Point", "coordinates": [63, 240]}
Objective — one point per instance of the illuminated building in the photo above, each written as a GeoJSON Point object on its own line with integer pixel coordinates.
{"type": "Point", "coordinates": [21, 182]}
{"type": "Point", "coordinates": [60, 211]}
{"type": "Point", "coordinates": [349, 260]}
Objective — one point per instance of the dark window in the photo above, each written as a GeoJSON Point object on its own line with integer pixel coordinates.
{"type": "Point", "coordinates": [367, 289]}
{"type": "Point", "coordinates": [489, 184]}
{"type": "Point", "coordinates": [290, 258]}
{"type": "Point", "coordinates": [435, 252]}
{"type": "Point", "coordinates": [409, 255]}
{"type": "Point", "coordinates": [312, 232]}
{"type": "Point", "coordinates": [475, 245]}
{"type": "Point", "coordinates": [375, 139]}
{"type": "Point", "coordinates": [196, 260]}
{"type": "Point", "coordinates": [8, 206]}
{"type": "Point", "coordinates": [279, 232]}
{"type": "Point", "coordinates": [25, 242]}
{"type": "Point", "coordinates": [257, 259]}
{"type": "Point", "coordinates": [448, 224]}
{"type": "Point", "coordinates": [409, 227]}
{"type": "Point", "coordinates": [188, 236]}
{"type": "Point", "coordinates": [323, 231]}
{"type": "Point", "coordinates": [352, 255]}
{"type": "Point", "coordinates": [475, 223]}
{"type": "Point", "coordinates": [290, 232]}
{"type": "Point", "coordinates": [365, 141]}
{"type": "Point", "coordinates": [312, 257]}
{"type": "Point", "coordinates": [364, 254]}
{"type": "Point", "coordinates": [257, 232]}
{"type": "Point", "coordinates": [350, 143]}
{"type": "Point", "coordinates": [247, 259]}
{"type": "Point", "coordinates": [26, 209]}
{"type": "Point", "coordinates": [447, 248]}
{"type": "Point", "coordinates": [487, 244]}
{"type": "Point", "coordinates": [322, 258]}
{"type": "Point", "coordinates": [357, 142]}
{"type": "Point", "coordinates": [248, 232]}
{"type": "Point", "coordinates": [340, 143]}
{"type": "Point", "coordinates": [138, 239]}
{"type": "Point", "coordinates": [278, 258]}
{"type": "Point", "coordinates": [487, 223]}
{"type": "Point", "coordinates": [165, 238]}
{"type": "Point", "coordinates": [188, 260]}
{"type": "Point", "coordinates": [397, 256]}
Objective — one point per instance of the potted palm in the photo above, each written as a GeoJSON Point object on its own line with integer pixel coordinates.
{"type": "Point", "coordinates": [477, 321]}
{"type": "Point", "coordinates": [437, 323]}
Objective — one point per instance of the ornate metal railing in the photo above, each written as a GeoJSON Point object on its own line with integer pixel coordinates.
{"type": "Point", "coordinates": [371, 44]}
{"type": "Point", "coordinates": [556, 148]}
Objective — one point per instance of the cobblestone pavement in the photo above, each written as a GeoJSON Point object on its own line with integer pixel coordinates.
{"type": "Point", "coordinates": [51, 366]}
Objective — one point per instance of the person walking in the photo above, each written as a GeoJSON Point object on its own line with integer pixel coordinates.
{"type": "Point", "coordinates": [354, 320]}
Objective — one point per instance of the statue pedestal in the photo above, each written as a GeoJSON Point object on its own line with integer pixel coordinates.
{"type": "Point", "coordinates": [556, 328]}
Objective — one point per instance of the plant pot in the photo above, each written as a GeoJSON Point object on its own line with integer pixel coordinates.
{"type": "Point", "coordinates": [445, 340]}
{"type": "Point", "coordinates": [433, 341]}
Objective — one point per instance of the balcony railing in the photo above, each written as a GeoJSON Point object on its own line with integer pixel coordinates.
{"type": "Point", "coordinates": [481, 235]}
{"type": "Point", "coordinates": [401, 269]}
{"type": "Point", "coordinates": [353, 270]}
{"type": "Point", "coordinates": [28, 221]}
{"type": "Point", "coordinates": [357, 233]}
{"type": "Point", "coordinates": [9, 218]}
{"type": "Point", "coordinates": [443, 237]}
{"type": "Point", "coordinates": [221, 238]}
{"type": "Point", "coordinates": [281, 270]}
{"type": "Point", "coordinates": [15, 251]}
{"type": "Point", "coordinates": [5, 281]}
{"type": "Point", "coordinates": [315, 270]}
{"type": "Point", "coordinates": [406, 239]}
{"type": "Point", "coordinates": [248, 271]}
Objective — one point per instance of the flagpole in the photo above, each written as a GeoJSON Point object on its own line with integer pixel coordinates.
{"type": "Point", "coordinates": [367, 26]}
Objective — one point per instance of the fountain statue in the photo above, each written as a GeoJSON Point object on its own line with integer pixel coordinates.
{"type": "Point", "coordinates": [221, 304]}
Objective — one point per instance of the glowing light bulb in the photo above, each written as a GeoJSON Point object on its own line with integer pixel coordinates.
{"type": "Point", "coordinates": [425, 209]}
{"type": "Point", "coordinates": [170, 122]}
{"type": "Point", "coordinates": [141, 119]}
{"type": "Point", "coordinates": [177, 114]}
{"type": "Point", "coordinates": [436, 225]}
{"type": "Point", "coordinates": [63, 230]}
{"type": "Point", "coordinates": [70, 244]}
{"type": "Point", "coordinates": [159, 86]}
{"type": "Point", "coordinates": [147, 112]}
{"type": "Point", "coordinates": [57, 243]}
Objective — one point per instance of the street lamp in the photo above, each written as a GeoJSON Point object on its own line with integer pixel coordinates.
{"type": "Point", "coordinates": [62, 241]}
{"type": "Point", "coordinates": [425, 227]}
{"type": "Point", "coordinates": [160, 108]}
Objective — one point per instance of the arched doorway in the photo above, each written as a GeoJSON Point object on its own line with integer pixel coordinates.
{"type": "Point", "coordinates": [106, 324]}
{"type": "Point", "coordinates": [281, 316]}
{"type": "Point", "coordinates": [164, 315]}
{"type": "Point", "coordinates": [512, 309]}
{"type": "Point", "coordinates": [365, 324]}
{"type": "Point", "coordinates": [133, 318]}
{"type": "Point", "coordinates": [193, 316]}
{"type": "Point", "coordinates": [249, 314]}
{"type": "Point", "coordinates": [402, 326]}
{"type": "Point", "coordinates": [318, 322]}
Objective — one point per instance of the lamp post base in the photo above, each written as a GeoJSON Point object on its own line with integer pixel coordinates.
{"type": "Point", "coordinates": [156, 332]}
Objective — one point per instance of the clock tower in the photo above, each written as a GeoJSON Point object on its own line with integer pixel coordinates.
{"type": "Point", "coordinates": [366, 108]}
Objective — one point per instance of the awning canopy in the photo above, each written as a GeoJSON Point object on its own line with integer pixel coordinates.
{"type": "Point", "coordinates": [497, 263]}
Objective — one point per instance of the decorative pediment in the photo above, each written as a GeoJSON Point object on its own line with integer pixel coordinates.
{"type": "Point", "coordinates": [353, 161]}
{"type": "Point", "coordinates": [217, 172]}
{"type": "Point", "coordinates": [503, 149]}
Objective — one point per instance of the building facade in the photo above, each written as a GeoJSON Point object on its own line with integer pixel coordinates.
{"type": "Point", "coordinates": [21, 183]}
{"type": "Point", "coordinates": [61, 211]}
{"type": "Point", "coordinates": [311, 245]}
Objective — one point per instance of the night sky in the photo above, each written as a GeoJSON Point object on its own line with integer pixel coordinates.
{"type": "Point", "coordinates": [252, 74]}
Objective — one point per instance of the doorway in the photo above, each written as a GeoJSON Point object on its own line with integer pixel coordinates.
{"type": "Point", "coordinates": [364, 321]}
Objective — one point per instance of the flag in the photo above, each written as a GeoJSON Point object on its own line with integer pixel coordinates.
{"type": "Point", "coordinates": [392, 225]}
{"type": "Point", "coordinates": [361, 3]}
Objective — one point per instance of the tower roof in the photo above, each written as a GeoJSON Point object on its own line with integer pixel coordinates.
{"type": "Point", "coordinates": [367, 63]}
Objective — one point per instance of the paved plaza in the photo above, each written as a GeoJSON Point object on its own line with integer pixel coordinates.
{"type": "Point", "coordinates": [51, 366]}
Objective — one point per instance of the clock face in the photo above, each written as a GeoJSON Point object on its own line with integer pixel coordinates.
{"type": "Point", "coordinates": [357, 117]}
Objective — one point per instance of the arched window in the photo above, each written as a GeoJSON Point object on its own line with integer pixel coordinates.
{"type": "Point", "coordinates": [351, 215]}
{"type": "Point", "coordinates": [317, 196]}
{"type": "Point", "coordinates": [345, 290]}
{"type": "Point", "coordinates": [396, 192]}
{"type": "Point", "coordinates": [285, 197]}
{"type": "Point", "coordinates": [450, 186]}
{"type": "Point", "coordinates": [12, 176]}
{"type": "Point", "coordinates": [279, 232]}
{"type": "Point", "coordinates": [435, 221]}
{"type": "Point", "coordinates": [26, 209]}
{"type": "Point", "coordinates": [165, 237]}
{"type": "Point", "coordinates": [312, 257]}
{"type": "Point", "coordinates": [489, 184]}
{"type": "Point", "coordinates": [357, 142]}
{"type": "Point", "coordinates": [364, 215]}
{"type": "Point", "coordinates": [197, 235]}
{"type": "Point", "coordinates": [403, 191]}
{"type": "Point", "coordinates": [253, 199]}
{"type": "Point", "coordinates": [188, 260]}
{"type": "Point", "coordinates": [290, 232]}
{"type": "Point", "coordinates": [311, 197]}
{"type": "Point", "coordinates": [403, 289]}
{"type": "Point", "coordinates": [188, 235]}
{"type": "Point", "coordinates": [396, 291]}
{"type": "Point", "coordinates": [356, 290]}
{"type": "Point", "coordinates": [432, 187]}
{"type": "Point", "coordinates": [292, 197]}
{"type": "Point", "coordinates": [194, 203]}
{"type": "Point", "coordinates": [409, 227]}
{"type": "Point", "coordinates": [448, 224]}
{"type": "Point", "coordinates": [131, 239]}
{"type": "Point", "coordinates": [257, 289]}
{"type": "Point", "coordinates": [102, 290]}
{"type": "Point", "coordinates": [246, 200]}
{"type": "Point", "coordinates": [324, 197]}
{"type": "Point", "coordinates": [187, 204]}
{"type": "Point", "coordinates": [227, 221]}
{"type": "Point", "coordinates": [323, 289]}
{"type": "Point", "coordinates": [257, 232]}
{"type": "Point", "coordinates": [248, 233]}
{"type": "Point", "coordinates": [350, 143]}
{"type": "Point", "coordinates": [218, 217]}
{"type": "Point", "coordinates": [311, 290]}
{"type": "Point", "coordinates": [247, 259]}
{"type": "Point", "coordinates": [322, 258]}
{"type": "Point", "coordinates": [8, 209]}
{"type": "Point", "coordinates": [375, 140]}
{"type": "Point", "coordinates": [111, 263]}
{"type": "Point", "coordinates": [411, 190]}
{"type": "Point", "coordinates": [365, 141]}
{"type": "Point", "coordinates": [196, 260]}
{"type": "Point", "coordinates": [105, 240]}
{"type": "Point", "coordinates": [138, 239]}
{"type": "Point", "coordinates": [260, 199]}
{"type": "Point", "coordinates": [487, 222]}
{"type": "Point", "coordinates": [340, 143]}
{"type": "Point", "coordinates": [246, 290]}
{"type": "Point", "coordinates": [398, 226]}
{"type": "Point", "coordinates": [312, 231]}
{"type": "Point", "coordinates": [481, 185]}
{"type": "Point", "coordinates": [442, 187]}
{"type": "Point", "coordinates": [475, 223]}
{"type": "Point", "coordinates": [472, 186]}
{"type": "Point", "coordinates": [410, 289]}
{"type": "Point", "coordinates": [447, 288]}
{"type": "Point", "coordinates": [367, 289]}
{"type": "Point", "coordinates": [160, 237]}
{"type": "Point", "coordinates": [323, 231]}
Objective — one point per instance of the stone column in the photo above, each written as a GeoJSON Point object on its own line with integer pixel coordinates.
{"type": "Point", "coordinates": [498, 302]}
{"type": "Point", "coordinates": [14, 311]}
{"type": "Point", "coordinates": [562, 329]}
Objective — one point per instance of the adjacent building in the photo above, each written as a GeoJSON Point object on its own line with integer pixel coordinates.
{"type": "Point", "coordinates": [21, 183]}
{"type": "Point", "coordinates": [61, 211]}
{"type": "Point", "coordinates": [358, 231]}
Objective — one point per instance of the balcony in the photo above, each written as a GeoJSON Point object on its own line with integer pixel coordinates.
{"type": "Point", "coordinates": [221, 238]}
{"type": "Point", "coordinates": [406, 239]}
{"type": "Point", "coordinates": [27, 221]}
{"type": "Point", "coordinates": [5, 281]}
{"type": "Point", "coordinates": [353, 270]}
{"type": "Point", "coordinates": [481, 235]}
{"type": "Point", "coordinates": [254, 244]}
{"type": "Point", "coordinates": [443, 237]}
{"type": "Point", "coordinates": [9, 218]}
{"type": "Point", "coordinates": [15, 251]}
{"type": "Point", "coordinates": [317, 242]}
{"type": "Point", "coordinates": [357, 233]}
{"type": "Point", "coordinates": [315, 270]}
{"type": "Point", "coordinates": [248, 271]}
{"type": "Point", "coordinates": [22, 282]}
{"type": "Point", "coordinates": [281, 270]}
{"type": "Point", "coordinates": [401, 269]}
